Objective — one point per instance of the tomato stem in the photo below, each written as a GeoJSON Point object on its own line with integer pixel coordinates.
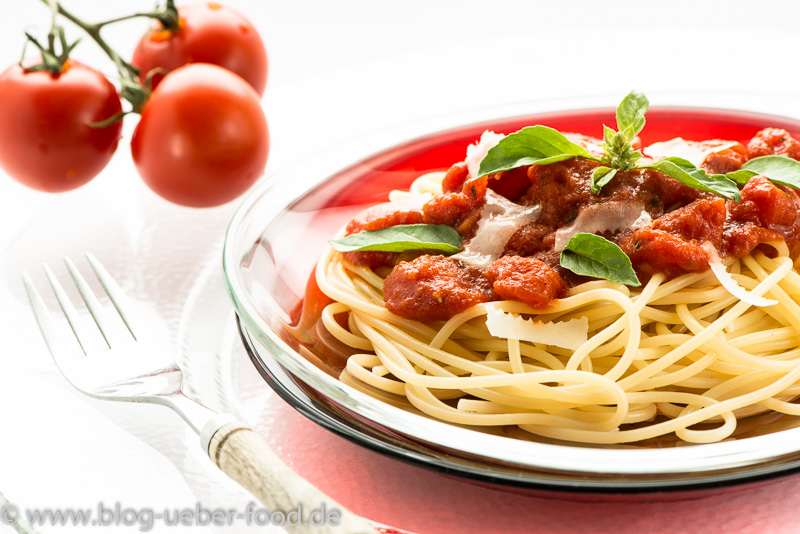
{"type": "Point", "coordinates": [93, 30]}
{"type": "Point", "coordinates": [52, 61]}
{"type": "Point", "coordinates": [168, 17]}
{"type": "Point", "coordinates": [130, 88]}
{"type": "Point", "coordinates": [51, 36]}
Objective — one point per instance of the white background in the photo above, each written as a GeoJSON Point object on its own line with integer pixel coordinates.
{"type": "Point", "coordinates": [341, 69]}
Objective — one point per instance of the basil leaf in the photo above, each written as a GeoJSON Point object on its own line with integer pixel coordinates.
{"type": "Point", "coordinates": [630, 114]}
{"type": "Point", "coordinates": [534, 145]}
{"type": "Point", "coordinates": [600, 177]}
{"type": "Point", "coordinates": [686, 173]}
{"type": "Point", "coordinates": [401, 238]}
{"type": "Point", "coordinates": [741, 176]}
{"type": "Point", "coordinates": [595, 256]}
{"type": "Point", "coordinates": [615, 144]}
{"type": "Point", "coordinates": [609, 135]}
{"type": "Point", "coordinates": [779, 169]}
{"type": "Point", "coordinates": [619, 153]}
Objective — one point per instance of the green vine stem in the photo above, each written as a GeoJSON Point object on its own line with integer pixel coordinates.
{"type": "Point", "coordinates": [168, 17]}
{"type": "Point", "coordinates": [51, 60]}
{"type": "Point", "coordinates": [130, 87]}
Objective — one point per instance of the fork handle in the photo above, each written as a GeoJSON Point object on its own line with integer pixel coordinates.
{"type": "Point", "coordinates": [244, 456]}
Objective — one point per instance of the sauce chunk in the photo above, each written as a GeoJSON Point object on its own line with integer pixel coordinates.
{"type": "Point", "coordinates": [526, 280]}
{"type": "Point", "coordinates": [431, 288]}
{"type": "Point", "coordinates": [672, 244]}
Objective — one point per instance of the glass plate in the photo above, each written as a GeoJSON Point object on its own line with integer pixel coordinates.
{"type": "Point", "coordinates": [278, 233]}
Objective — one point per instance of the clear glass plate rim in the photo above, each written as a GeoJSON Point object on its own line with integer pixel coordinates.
{"type": "Point", "coordinates": [438, 459]}
{"type": "Point", "coordinates": [733, 455]}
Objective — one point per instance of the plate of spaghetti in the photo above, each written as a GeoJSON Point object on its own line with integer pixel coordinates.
{"type": "Point", "coordinates": [585, 297]}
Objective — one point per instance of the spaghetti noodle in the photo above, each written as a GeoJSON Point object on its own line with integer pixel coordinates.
{"type": "Point", "coordinates": [679, 355]}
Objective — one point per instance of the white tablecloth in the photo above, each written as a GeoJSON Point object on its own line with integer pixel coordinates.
{"type": "Point", "coordinates": [337, 70]}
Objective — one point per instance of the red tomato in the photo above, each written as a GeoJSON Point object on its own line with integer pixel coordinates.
{"type": "Point", "coordinates": [208, 33]}
{"type": "Point", "coordinates": [202, 139]}
{"type": "Point", "coordinates": [45, 138]}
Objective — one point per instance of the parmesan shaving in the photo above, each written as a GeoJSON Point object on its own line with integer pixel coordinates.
{"type": "Point", "coordinates": [476, 152]}
{"type": "Point", "coordinates": [565, 334]}
{"type": "Point", "coordinates": [405, 201]}
{"type": "Point", "coordinates": [692, 151]}
{"type": "Point", "coordinates": [592, 145]}
{"type": "Point", "coordinates": [500, 218]}
{"type": "Point", "coordinates": [726, 279]}
{"type": "Point", "coordinates": [611, 216]}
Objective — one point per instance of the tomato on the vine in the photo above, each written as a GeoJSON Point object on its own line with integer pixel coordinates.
{"type": "Point", "coordinates": [202, 139]}
{"type": "Point", "coordinates": [206, 33]}
{"type": "Point", "coordinates": [46, 141]}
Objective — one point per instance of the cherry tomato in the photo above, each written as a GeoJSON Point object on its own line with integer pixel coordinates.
{"type": "Point", "coordinates": [45, 138]}
{"type": "Point", "coordinates": [202, 139]}
{"type": "Point", "coordinates": [208, 33]}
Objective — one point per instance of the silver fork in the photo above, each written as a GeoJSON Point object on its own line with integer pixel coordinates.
{"type": "Point", "coordinates": [138, 369]}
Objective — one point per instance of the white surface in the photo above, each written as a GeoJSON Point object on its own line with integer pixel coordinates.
{"type": "Point", "coordinates": [337, 70]}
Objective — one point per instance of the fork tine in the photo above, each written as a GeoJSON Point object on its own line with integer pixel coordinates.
{"type": "Point", "coordinates": [74, 320]}
{"type": "Point", "coordinates": [115, 293]}
{"type": "Point", "coordinates": [42, 315]}
{"type": "Point", "coordinates": [90, 299]}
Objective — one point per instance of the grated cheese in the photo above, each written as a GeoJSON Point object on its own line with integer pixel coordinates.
{"type": "Point", "coordinates": [476, 152]}
{"type": "Point", "coordinates": [565, 334]}
{"type": "Point", "coordinates": [726, 279]}
{"type": "Point", "coordinates": [692, 151]}
{"type": "Point", "coordinates": [407, 201]}
{"type": "Point", "coordinates": [500, 218]}
{"type": "Point", "coordinates": [611, 216]}
{"type": "Point", "coordinates": [592, 145]}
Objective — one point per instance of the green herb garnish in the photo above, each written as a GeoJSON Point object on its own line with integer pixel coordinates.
{"type": "Point", "coordinates": [595, 256]}
{"type": "Point", "coordinates": [779, 169]}
{"type": "Point", "coordinates": [534, 145]}
{"type": "Point", "coordinates": [539, 145]}
{"type": "Point", "coordinates": [601, 176]}
{"type": "Point", "coordinates": [403, 237]}
{"type": "Point", "coordinates": [619, 154]}
{"type": "Point", "coordinates": [686, 173]}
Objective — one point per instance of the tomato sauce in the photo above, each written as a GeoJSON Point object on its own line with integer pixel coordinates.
{"type": "Point", "coordinates": [527, 280]}
{"type": "Point", "coordinates": [432, 287]}
{"type": "Point", "coordinates": [679, 220]}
